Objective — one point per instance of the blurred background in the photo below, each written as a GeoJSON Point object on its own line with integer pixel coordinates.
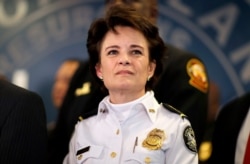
{"type": "Point", "coordinates": [36, 36]}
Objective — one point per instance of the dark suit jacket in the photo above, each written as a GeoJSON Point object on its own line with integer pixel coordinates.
{"type": "Point", "coordinates": [173, 88]}
{"type": "Point", "coordinates": [227, 128]}
{"type": "Point", "coordinates": [23, 134]}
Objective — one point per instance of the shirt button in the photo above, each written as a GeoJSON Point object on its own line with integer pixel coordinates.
{"type": "Point", "coordinates": [113, 155]}
{"type": "Point", "coordinates": [117, 132]}
{"type": "Point", "coordinates": [147, 160]}
{"type": "Point", "coordinates": [79, 157]}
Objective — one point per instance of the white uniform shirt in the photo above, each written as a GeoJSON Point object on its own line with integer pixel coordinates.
{"type": "Point", "coordinates": [148, 133]}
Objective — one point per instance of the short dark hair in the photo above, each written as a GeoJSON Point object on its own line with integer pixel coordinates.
{"type": "Point", "coordinates": [121, 15]}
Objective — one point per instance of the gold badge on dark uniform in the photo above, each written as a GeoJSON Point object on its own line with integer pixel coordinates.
{"type": "Point", "coordinates": [85, 89]}
{"type": "Point", "coordinates": [197, 73]}
{"type": "Point", "coordinates": [154, 139]}
{"type": "Point", "coordinates": [189, 139]}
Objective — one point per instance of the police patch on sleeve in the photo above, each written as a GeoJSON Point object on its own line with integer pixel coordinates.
{"type": "Point", "coordinates": [189, 139]}
{"type": "Point", "coordinates": [198, 76]}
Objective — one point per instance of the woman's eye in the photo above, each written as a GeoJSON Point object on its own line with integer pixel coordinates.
{"type": "Point", "coordinates": [136, 52]}
{"type": "Point", "coordinates": [112, 52]}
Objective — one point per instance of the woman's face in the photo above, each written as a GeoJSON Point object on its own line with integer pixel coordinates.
{"type": "Point", "coordinates": [124, 61]}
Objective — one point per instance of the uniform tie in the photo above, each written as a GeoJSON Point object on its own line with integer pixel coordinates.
{"type": "Point", "coordinates": [247, 152]}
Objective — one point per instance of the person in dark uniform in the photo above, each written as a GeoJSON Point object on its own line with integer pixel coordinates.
{"type": "Point", "coordinates": [61, 84]}
{"type": "Point", "coordinates": [183, 84]}
{"type": "Point", "coordinates": [23, 134]}
{"type": "Point", "coordinates": [231, 132]}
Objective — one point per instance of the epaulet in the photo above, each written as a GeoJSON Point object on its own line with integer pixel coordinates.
{"type": "Point", "coordinates": [174, 110]}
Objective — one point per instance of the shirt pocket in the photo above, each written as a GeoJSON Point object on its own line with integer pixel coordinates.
{"type": "Point", "coordinates": [89, 153]}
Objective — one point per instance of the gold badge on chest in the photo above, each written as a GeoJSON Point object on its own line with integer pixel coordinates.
{"type": "Point", "coordinates": [154, 139]}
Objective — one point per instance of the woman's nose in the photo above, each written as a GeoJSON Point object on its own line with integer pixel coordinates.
{"type": "Point", "coordinates": [124, 60]}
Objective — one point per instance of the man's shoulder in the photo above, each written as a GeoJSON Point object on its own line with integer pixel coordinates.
{"type": "Point", "coordinates": [10, 89]}
{"type": "Point", "coordinates": [174, 52]}
{"type": "Point", "coordinates": [187, 66]}
{"type": "Point", "coordinates": [175, 56]}
{"type": "Point", "coordinates": [236, 106]}
{"type": "Point", "coordinates": [19, 99]}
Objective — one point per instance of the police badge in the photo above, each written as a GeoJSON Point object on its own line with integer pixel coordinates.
{"type": "Point", "coordinates": [154, 139]}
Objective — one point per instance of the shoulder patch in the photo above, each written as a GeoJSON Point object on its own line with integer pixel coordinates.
{"type": "Point", "coordinates": [172, 109]}
{"type": "Point", "coordinates": [197, 74]}
{"type": "Point", "coordinates": [189, 139]}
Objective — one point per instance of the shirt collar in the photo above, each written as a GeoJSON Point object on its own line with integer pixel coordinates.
{"type": "Point", "coordinates": [148, 103]}
{"type": "Point", "coordinates": [151, 106]}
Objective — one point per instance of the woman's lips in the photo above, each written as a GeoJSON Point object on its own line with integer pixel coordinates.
{"type": "Point", "coordinates": [124, 72]}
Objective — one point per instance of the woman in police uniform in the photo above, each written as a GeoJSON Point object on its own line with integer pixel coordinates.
{"type": "Point", "coordinates": [125, 52]}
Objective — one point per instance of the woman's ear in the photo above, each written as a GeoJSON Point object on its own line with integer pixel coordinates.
{"type": "Point", "coordinates": [98, 71]}
{"type": "Point", "coordinates": [152, 67]}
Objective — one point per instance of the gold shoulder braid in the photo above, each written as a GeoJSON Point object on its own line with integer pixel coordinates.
{"type": "Point", "coordinates": [154, 139]}
{"type": "Point", "coordinates": [174, 110]}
